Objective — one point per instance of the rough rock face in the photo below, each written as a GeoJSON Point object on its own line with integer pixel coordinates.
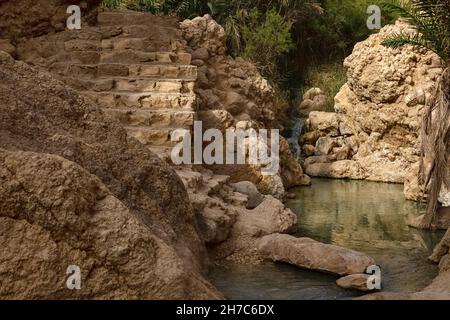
{"type": "Point", "coordinates": [378, 111]}
{"type": "Point", "coordinates": [31, 18]}
{"type": "Point", "coordinates": [269, 217]}
{"type": "Point", "coordinates": [40, 115]}
{"type": "Point", "coordinates": [310, 254]}
{"type": "Point", "coordinates": [232, 94]}
{"type": "Point", "coordinates": [69, 217]}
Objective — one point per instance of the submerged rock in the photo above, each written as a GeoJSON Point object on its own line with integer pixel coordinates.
{"type": "Point", "coordinates": [355, 282]}
{"type": "Point", "coordinates": [310, 254]}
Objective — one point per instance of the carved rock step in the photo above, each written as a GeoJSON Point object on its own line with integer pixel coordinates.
{"type": "Point", "coordinates": [127, 56]}
{"type": "Point", "coordinates": [122, 42]}
{"type": "Point", "coordinates": [128, 17]}
{"type": "Point", "coordinates": [163, 71]}
{"type": "Point", "coordinates": [130, 84]}
{"type": "Point", "coordinates": [153, 118]}
{"type": "Point", "coordinates": [156, 34]}
{"type": "Point", "coordinates": [151, 100]}
{"type": "Point", "coordinates": [153, 137]}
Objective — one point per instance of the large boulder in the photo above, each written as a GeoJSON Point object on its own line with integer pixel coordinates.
{"type": "Point", "coordinates": [310, 254]}
{"type": "Point", "coordinates": [39, 114]}
{"type": "Point", "coordinates": [380, 107]}
{"type": "Point", "coordinates": [54, 214]}
{"type": "Point", "coordinates": [343, 169]}
{"type": "Point", "coordinates": [270, 217]}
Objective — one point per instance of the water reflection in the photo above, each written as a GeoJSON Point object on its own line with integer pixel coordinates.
{"type": "Point", "coordinates": [368, 217]}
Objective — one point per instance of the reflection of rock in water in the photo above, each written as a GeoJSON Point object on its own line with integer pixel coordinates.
{"type": "Point", "coordinates": [368, 217]}
{"type": "Point", "coordinates": [295, 135]}
{"type": "Point", "coordinates": [371, 218]}
{"type": "Point", "coordinates": [357, 213]}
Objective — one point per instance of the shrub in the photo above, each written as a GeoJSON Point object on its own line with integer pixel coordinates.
{"type": "Point", "coordinates": [328, 77]}
{"type": "Point", "coordinates": [266, 40]}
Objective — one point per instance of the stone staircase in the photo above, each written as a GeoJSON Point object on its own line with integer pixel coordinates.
{"type": "Point", "coordinates": [134, 65]}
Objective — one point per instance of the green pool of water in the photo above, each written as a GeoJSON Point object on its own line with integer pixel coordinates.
{"type": "Point", "coordinates": [365, 216]}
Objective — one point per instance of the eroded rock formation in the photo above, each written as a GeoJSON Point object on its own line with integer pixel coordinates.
{"type": "Point", "coordinates": [233, 94]}
{"type": "Point", "coordinates": [374, 132]}
{"type": "Point", "coordinates": [101, 199]}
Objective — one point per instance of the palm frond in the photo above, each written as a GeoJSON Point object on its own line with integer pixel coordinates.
{"type": "Point", "coordinates": [431, 19]}
{"type": "Point", "coordinates": [397, 40]}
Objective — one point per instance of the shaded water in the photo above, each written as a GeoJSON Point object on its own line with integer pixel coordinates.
{"type": "Point", "coordinates": [365, 216]}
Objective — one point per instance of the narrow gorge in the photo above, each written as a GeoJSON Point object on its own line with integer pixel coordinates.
{"type": "Point", "coordinates": [88, 180]}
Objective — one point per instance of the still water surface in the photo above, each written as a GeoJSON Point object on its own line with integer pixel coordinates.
{"type": "Point", "coordinates": [365, 216]}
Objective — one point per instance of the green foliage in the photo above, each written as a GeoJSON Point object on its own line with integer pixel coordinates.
{"type": "Point", "coordinates": [286, 38]}
{"type": "Point", "coordinates": [328, 77]}
{"type": "Point", "coordinates": [153, 6]}
{"type": "Point", "coordinates": [267, 41]}
{"type": "Point", "coordinates": [114, 4]}
{"type": "Point", "coordinates": [431, 18]}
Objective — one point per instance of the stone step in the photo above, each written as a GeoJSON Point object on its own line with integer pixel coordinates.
{"type": "Point", "coordinates": [153, 118]}
{"type": "Point", "coordinates": [154, 85]}
{"type": "Point", "coordinates": [102, 84]}
{"type": "Point", "coordinates": [128, 17]}
{"type": "Point", "coordinates": [156, 34]}
{"type": "Point", "coordinates": [151, 100]}
{"type": "Point", "coordinates": [122, 42]}
{"type": "Point", "coordinates": [164, 71]}
{"type": "Point", "coordinates": [127, 56]}
{"type": "Point", "coordinates": [153, 137]}
{"type": "Point", "coordinates": [135, 56]}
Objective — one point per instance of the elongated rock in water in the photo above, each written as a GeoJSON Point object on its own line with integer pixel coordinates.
{"type": "Point", "coordinates": [310, 254]}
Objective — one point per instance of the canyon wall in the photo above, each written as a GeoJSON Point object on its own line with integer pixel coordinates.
{"type": "Point", "coordinates": [374, 133]}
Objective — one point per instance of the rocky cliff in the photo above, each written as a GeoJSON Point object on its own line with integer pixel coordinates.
{"type": "Point", "coordinates": [374, 132]}
{"type": "Point", "coordinates": [75, 189]}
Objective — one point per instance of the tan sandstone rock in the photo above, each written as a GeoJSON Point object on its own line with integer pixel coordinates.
{"type": "Point", "coordinates": [41, 115]}
{"type": "Point", "coordinates": [354, 281]}
{"type": "Point", "coordinates": [381, 105]}
{"type": "Point", "coordinates": [310, 254]}
{"type": "Point", "coordinates": [69, 217]}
